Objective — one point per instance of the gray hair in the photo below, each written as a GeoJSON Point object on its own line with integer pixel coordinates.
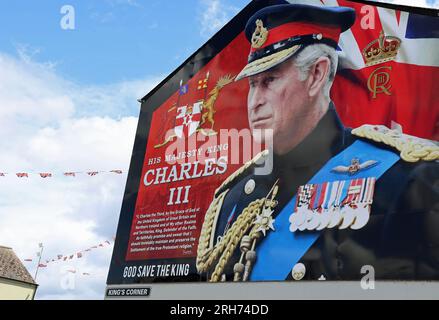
{"type": "Point", "coordinates": [309, 55]}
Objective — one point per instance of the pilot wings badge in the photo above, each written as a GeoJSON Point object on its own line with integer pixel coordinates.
{"type": "Point", "coordinates": [354, 167]}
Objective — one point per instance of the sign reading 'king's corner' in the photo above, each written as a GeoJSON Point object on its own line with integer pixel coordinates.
{"type": "Point", "coordinates": [299, 143]}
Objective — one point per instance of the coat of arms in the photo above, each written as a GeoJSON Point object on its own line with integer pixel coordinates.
{"type": "Point", "coordinates": [199, 116]}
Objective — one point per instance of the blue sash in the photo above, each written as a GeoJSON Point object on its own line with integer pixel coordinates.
{"type": "Point", "coordinates": [281, 249]}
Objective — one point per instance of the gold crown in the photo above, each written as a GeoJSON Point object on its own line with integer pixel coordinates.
{"type": "Point", "coordinates": [383, 49]}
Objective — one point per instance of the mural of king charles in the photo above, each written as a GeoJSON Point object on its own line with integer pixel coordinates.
{"type": "Point", "coordinates": [337, 199]}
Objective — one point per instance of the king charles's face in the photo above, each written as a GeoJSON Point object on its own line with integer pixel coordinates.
{"type": "Point", "coordinates": [277, 100]}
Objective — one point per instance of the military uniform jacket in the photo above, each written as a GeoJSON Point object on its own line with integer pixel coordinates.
{"type": "Point", "coordinates": [400, 240]}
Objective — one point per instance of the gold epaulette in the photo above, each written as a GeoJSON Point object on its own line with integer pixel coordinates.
{"type": "Point", "coordinates": [236, 174]}
{"type": "Point", "coordinates": [411, 148]}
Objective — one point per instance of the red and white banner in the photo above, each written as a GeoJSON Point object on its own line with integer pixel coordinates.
{"type": "Point", "coordinates": [67, 174]}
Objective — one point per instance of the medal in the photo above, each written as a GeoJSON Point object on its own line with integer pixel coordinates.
{"type": "Point", "coordinates": [300, 214]}
{"type": "Point", "coordinates": [298, 218]}
{"type": "Point", "coordinates": [303, 226]}
{"type": "Point", "coordinates": [348, 215]}
{"type": "Point", "coordinates": [324, 219]}
{"type": "Point", "coordinates": [362, 216]}
{"type": "Point", "coordinates": [335, 217]}
{"type": "Point", "coordinates": [335, 212]}
{"type": "Point", "coordinates": [327, 211]}
{"type": "Point", "coordinates": [348, 210]}
{"type": "Point", "coordinates": [310, 212]}
{"type": "Point", "coordinates": [364, 204]}
{"type": "Point", "coordinates": [321, 194]}
{"type": "Point", "coordinates": [314, 222]}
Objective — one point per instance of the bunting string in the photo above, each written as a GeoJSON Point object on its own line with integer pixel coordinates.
{"type": "Point", "coordinates": [73, 174]}
{"type": "Point", "coordinates": [73, 256]}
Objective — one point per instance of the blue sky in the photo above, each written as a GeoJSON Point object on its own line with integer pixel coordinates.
{"type": "Point", "coordinates": [114, 40]}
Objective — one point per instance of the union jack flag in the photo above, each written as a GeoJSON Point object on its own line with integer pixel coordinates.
{"type": "Point", "coordinates": [411, 78]}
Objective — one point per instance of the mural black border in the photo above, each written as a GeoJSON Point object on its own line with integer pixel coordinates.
{"type": "Point", "coordinates": [156, 97]}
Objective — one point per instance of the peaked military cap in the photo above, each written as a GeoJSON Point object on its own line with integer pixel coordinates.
{"type": "Point", "coordinates": [278, 32]}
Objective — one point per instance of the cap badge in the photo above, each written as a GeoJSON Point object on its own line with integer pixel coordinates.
{"type": "Point", "coordinates": [260, 35]}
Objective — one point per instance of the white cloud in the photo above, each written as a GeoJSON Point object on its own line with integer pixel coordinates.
{"type": "Point", "coordinates": [49, 124]}
{"type": "Point", "coordinates": [215, 14]}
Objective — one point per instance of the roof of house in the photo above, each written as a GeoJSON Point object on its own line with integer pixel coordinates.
{"type": "Point", "coordinates": [12, 268]}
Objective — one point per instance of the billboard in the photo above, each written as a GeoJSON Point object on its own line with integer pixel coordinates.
{"type": "Point", "coordinates": [299, 143]}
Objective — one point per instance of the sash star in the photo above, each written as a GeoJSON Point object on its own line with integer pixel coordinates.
{"type": "Point", "coordinates": [265, 221]}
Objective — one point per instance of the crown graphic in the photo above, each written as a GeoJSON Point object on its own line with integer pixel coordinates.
{"type": "Point", "coordinates": [383, 49]}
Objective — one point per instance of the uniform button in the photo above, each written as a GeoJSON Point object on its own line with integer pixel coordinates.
{"type": "Point", "coordinates": [298, 271]}
{"type": "Point", "coordinates": [249, 186]}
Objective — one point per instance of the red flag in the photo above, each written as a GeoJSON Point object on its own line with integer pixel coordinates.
{"type": "Point", "coordinates": [79, 254]}
{"type": "Point", "coordinates": [22, 175]}
{"type": "Point", "coordinates": [69, 174]}
{"type": "Point", "coordinates": [116, 171]}
{"type": "Point", "coordinates": [92, 173]}
{"type": "Point", "coordinates": [41, 265]}
{"type": "Point", "coordinates": [401, 89]}
{"type": "Point", "coordinates": [45, 175]}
